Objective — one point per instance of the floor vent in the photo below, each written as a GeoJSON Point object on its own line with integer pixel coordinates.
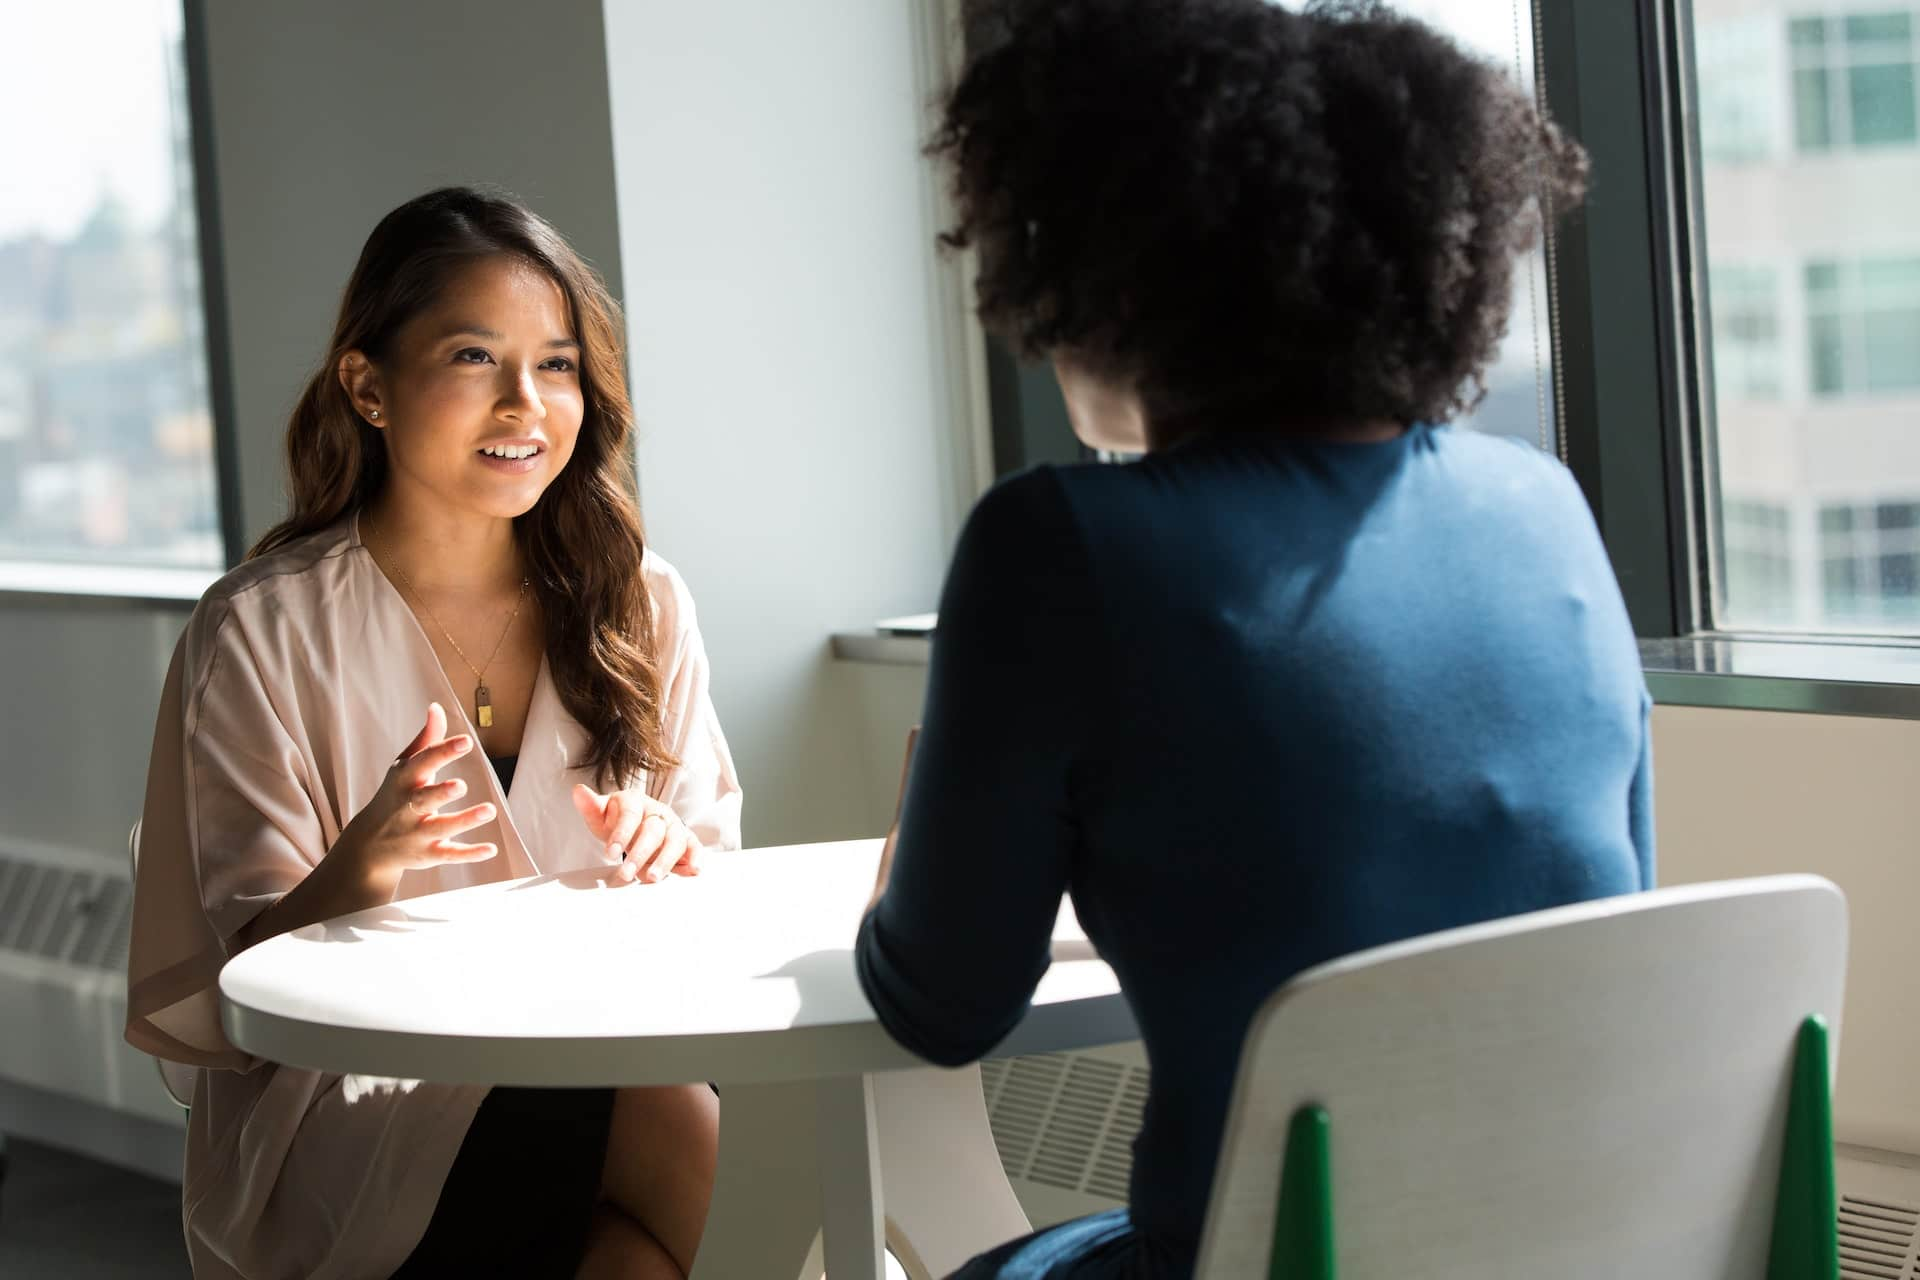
{"type": "Point", "coordinates": [1066, 1120]}
{"type": "Point", "coordinates": [1877, 1239]}
{"type": "Point", "coordinates": [76, 915]}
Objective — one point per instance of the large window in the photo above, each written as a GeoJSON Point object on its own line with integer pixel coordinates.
{"type": "Point", "coordinates": [1813, 301]}
{"type": "Point", "coordinates": [106, 435]}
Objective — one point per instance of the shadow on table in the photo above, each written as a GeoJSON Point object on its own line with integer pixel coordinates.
{"type": "Point", "coordinates": [393, 918]}
{"type": "Point", "coordinates": [820, 978]}
{"type": "Point", "coordinates": [580, 878]}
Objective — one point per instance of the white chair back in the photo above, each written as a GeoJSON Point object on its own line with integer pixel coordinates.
{"type": "Point", "coordinates": [1590, 1092]}
{"type": "Point", "coordinates": [177, 1077]}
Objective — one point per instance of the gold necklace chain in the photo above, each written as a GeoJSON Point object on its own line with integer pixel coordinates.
{"type": "Point", "coordinates": [482, 696]}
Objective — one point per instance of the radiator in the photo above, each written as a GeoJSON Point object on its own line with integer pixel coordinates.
{"type": "Point", "coordinates": [1064, 1124]}
{"type": "Point", "coordinates": [1879, 1215]}
{"type": "Point", "coordinates": [64, 920]}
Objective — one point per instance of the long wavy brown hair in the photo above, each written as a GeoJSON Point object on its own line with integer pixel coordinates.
{"type": "Point", "coordinates": [582, 540]}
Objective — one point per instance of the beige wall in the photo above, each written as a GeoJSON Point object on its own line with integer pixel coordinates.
{"type": "Point", "coordinates": [1742, 793]}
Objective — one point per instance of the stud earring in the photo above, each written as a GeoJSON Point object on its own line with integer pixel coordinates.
{"type": "Point", "coordinates": [374, 414]}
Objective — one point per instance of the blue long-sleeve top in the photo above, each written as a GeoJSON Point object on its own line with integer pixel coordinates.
{"type": "Point", "coordinates": [1254, 703]}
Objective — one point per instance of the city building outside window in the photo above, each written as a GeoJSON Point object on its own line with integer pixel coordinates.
{"type": "Point", "coordinates": [1870, 562]}
{"type": "Point", "coordinates": [1742, 115]}
{"type": "Point", "coordinates": [1759, 556]}
{"type": "Point", "coordinates": [1853, 80]}
{"type": "Point", "coordinates": [1808, 160]}
{"type": "Point", "coordinates": [1746, 332]}
{"type": "Point", "coordinates": [1863, 325]}
{"type": "Point", "coordinates": [106, 434]}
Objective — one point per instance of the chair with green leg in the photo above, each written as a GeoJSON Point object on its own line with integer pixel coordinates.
{"type": "Point", "coordinates": [1638, 1086]}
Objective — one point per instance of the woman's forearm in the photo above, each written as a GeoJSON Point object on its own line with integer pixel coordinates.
{"type": "Point", "coordinates": [334, 888]}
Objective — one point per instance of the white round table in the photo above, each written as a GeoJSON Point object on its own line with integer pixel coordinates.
{"type": "Point", "coordinates": [742, 976]}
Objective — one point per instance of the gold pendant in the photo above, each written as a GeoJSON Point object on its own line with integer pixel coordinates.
{"type": "Point", "coordinates": [483, 706]}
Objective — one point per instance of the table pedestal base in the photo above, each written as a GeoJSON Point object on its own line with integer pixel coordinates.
{"type": "Point", "coordinates": [904, 1156]}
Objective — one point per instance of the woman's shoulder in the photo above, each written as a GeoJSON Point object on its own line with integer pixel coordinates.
{"type": "Point", "coordinates": [673, 612]}
{"type": "Point", "coordinates": [296, 566]}
{"type": "Point", "coordinates": [1037, 497]}
{"type": "Point", "coordinates": [1498, 457]}
{"type": "Point", "coordinates": [1023, 541]}
{"type": "Point", "coordinates": [1512, 476]}
{"type": "Point", "coordinates": [297, 576]}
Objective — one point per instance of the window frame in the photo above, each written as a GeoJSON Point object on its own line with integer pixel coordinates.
{"type": "Point", "coordinates": [1647, 320]}
{"type": "Point", "coordinates": [1644, 474]}
{"type": "Point", "coordinates": [25, 581]}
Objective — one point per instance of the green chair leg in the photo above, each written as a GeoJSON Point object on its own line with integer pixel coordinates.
{"type": "Point", "coordinates": [1303, 1224]}
{"type": "Point", "coordinates": [1806, 1239]}
{"type": "Point", "coordinates": [1805, 1245]}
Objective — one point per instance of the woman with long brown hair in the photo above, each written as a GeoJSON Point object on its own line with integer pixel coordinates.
{"type": "Point", "coordinates": [454, 662]}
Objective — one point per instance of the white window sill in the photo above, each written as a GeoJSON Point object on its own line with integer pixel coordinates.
{"type": "Point", "coordinates": [883, 650]}
{"type": "Point", "coordinates": [55, 582]}
{"type": "Point", "coordinates": [1820, 675]}
{"type": "Point", "coordinates": [905, 641]}
{"type": "Point", "coordinates": [1835, 676]}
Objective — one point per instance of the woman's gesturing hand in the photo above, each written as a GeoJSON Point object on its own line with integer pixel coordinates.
{"type": "Point", "coordinates": [643, 835]}
{"type": "Point", "coordinates": [402, 827]}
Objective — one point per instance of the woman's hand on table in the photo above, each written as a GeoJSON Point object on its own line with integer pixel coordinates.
{"type": "Point", "coordinates": [643, 835]}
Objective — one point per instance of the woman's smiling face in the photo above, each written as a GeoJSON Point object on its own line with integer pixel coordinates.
{"type": "Point", "coordinates": [480, 395]}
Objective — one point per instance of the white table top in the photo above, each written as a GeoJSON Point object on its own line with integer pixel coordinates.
{"type": "Point", "coordinates": [743, 974]}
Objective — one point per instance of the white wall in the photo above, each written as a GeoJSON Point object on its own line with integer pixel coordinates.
{"type": "Point", "coordinates": [799, 459]}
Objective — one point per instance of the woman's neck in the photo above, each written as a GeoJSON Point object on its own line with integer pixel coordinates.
{"type": "Point", "coordinates": [442, 551]}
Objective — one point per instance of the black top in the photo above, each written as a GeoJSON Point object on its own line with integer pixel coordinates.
{"type": "Point", "coordinates": [504, 766]}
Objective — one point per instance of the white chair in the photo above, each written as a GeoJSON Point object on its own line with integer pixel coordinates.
{"type": "Point", "coordinates": [177, 1077]}
{"type": "Point", "coordinates": [1618, 1088]}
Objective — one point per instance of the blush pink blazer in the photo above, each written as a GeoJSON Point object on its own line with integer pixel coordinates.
{"type": "Point", "coordinates": [299, 678]}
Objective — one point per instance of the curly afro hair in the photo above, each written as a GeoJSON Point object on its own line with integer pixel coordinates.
{"type": "Point", "coordinates": [1255, 218]}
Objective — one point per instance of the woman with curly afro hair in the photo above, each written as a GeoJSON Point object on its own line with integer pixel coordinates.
{"type": "Point", "coordinates": [1318, 672]}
